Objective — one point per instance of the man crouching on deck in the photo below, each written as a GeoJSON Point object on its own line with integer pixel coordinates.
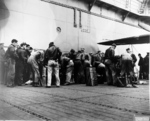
{"type": "Point", "coordinates": [127, 66]}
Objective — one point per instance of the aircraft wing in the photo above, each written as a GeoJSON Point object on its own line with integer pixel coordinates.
{"type": "Point", "coordinates": [143, 39]}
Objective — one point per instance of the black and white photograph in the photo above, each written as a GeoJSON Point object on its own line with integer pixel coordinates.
{"type": "Point", "coordinates": [74, 60]}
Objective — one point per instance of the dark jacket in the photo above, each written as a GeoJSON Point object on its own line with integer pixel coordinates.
{"type": "Point", "coordinates": [71, 56]}
{"type": "Point", "coordinates": [141, 61]}
{"type": "Point", "coordinates": [109, 54]}
{"type": "Point", "coordinates": [21, 54]}
{"type": "Point", "coordinates": [27, 53]}
{"type": "Point", "coordinates": [134, 59]}
{"type": "Point", "coordinates": [11, 52]}
{"type": "Point", "coordinates": [52, 53]}
{"type": "Point", "coordinates": [146, 61]}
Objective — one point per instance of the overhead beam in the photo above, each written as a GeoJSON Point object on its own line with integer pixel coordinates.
{"type": "Point", "coordinates": [91, 4]}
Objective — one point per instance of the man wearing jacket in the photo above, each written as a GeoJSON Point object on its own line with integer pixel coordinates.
{"type": "Point", "coordinates": [20, 63]}
{"type": "Point", "coordinates": [110, 67]}
{"type": "Point", "coordinates": [53, 54]}
{"type": "Point", "coordinates": [140, 64]}
{"type": "Point", "coordinates": [11, 57]}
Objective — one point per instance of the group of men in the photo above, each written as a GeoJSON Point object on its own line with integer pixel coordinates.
{"type": "Point", "coordinates": [18, 65]}
{"type": "Point", "coordinates": [119, 66]}
{"type": "Point", "coordinates": [14, 67]}
{"type": "Point", "coordinates": [127, 67]}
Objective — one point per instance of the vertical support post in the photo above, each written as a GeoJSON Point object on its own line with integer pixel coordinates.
{"type": "Point", "coordinates": [75, 17]}
{"type": "Point", "coordinates": [132, 48]}
{"type": "Point", "coordinates": [80, 19]}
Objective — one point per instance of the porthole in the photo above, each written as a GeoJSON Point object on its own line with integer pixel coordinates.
{"type": "Point", "coordinates": [58, 29]}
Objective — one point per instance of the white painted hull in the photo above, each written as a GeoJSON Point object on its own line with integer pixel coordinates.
{"type": "Point", "coordinates": [36, 22]}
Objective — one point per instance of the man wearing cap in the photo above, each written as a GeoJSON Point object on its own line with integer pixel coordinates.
{"type": "Point", "coordinates": [53, 55]}
{"type": "Point", "coordinates": [20, 63]}
{"type": "Point", "coordinates": [110, 67]}
{"type": "Point", "coordinates": [11, 57]}
{"type": "Point", "coordinates": [2, 59]}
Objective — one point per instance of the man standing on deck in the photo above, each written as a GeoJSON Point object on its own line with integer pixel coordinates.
{"type": "Point", "coordinates": [20, 63]}
{"type": "Point", "coordinates": [53, 55]}
{"type": "Point", "coordinates": [110, 67]}
{"type": "Point", "coordinates": [11, 57]}
{"type": "Point", "coordinates": [141, 63]}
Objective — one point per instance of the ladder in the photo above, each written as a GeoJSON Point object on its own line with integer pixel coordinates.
{"type": "Point", "coordinates": [143, 5]}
